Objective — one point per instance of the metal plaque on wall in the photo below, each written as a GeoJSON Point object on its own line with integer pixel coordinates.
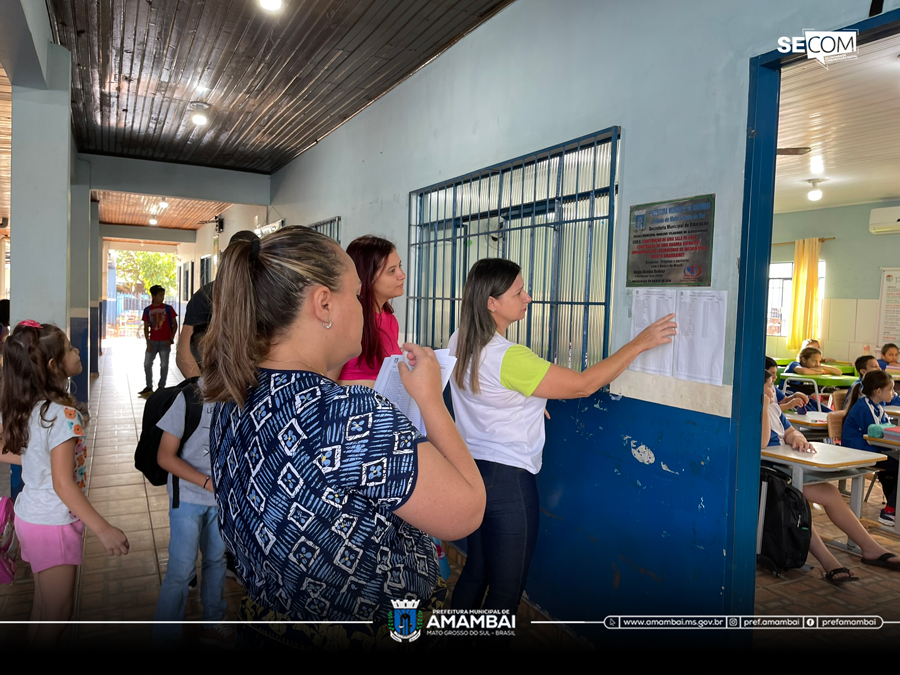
{"type": "Point", "coordinates": [670, 243]}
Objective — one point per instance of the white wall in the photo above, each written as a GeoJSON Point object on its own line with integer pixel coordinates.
{"type": "Point", "coordinates": [673, 75]}
{"type": "Point", "coordinates": [237, 217]}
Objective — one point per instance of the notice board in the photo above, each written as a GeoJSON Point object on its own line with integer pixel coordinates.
{"type": "Point", "coordinates": [889, 307]}
{"type": "Point", "coordinates": [670, 243]}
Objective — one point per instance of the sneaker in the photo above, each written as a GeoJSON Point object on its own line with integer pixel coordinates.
{"type": "Point", "coordinates": [221, 635]}
{"type": "Point", "coordinates": [146, 391]}
{"type": "Point", "coordinates": [886, 518]}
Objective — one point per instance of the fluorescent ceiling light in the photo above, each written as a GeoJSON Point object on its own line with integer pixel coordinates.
{"type": "Point", "coordinates": [817, 165]}
{"type": "Point", "coordinates": [270, 5]}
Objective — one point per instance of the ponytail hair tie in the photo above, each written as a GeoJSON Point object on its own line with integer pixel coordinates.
{"type": "Point", "coordinates": [254, 250]}
{"type": "Point", "coordinates": [31, 323]}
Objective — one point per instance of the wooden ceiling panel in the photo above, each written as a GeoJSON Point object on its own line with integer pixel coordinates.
{"type": "Point", "coordinates": [275, 83]}
{"type": "Point", "coordinates": [124, 208]}
{"type": "Point", "coordinates": [5, 144]}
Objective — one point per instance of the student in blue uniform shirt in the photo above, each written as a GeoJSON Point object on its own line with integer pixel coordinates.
{"type": "Point", "coordinates": [863, 365]}
{"type": "Point", "coordinates": [776, 430]}
{"type": "Point", "coordinates": [808, 363]}
{"type": "Point", "coordinates": [890, 355]}
{"type": "Point", "coordinates": [867, 407]}
{"type": "Point", "coordinates": [796, 399]}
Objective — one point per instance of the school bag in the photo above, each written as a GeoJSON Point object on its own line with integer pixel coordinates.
{"type": "Point", "coordinates": [157, 405]}
{"type": "Point", "coordinates": [788, 525]}
{"type": "Point", "coordinates": [9, 545]}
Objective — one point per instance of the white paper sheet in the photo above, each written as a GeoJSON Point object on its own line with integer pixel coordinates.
{"type": "Point", "coordinates": [652, 304]}
{"type": "Point", "coordinates": [699, 346]}
{"type": "Point", "coordinates": [389, 385]}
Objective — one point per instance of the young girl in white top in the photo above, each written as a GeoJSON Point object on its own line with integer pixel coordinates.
{"type": "Point", "coordinates": [43, 432]}
{"type": "Point", "coordinates": [500, 390]}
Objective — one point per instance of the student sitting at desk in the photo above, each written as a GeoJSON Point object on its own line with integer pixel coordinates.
{"type": "Point", "coordinates": [797, 399]}
{"type": "Point", "coordinates": [867, 407]}
{"type": "Point", "coordinates": [890, 355]}
{"type": "Point", "coordinates": [863, 365]}
{"type": "Point", "coordinates": [776, 430]}
{"type": "Point", "coordinates": [813, 342]}
{"type": "Point", "coordinates": [809, 362]}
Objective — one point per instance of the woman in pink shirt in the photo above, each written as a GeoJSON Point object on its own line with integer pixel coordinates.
{"type": "Point", "coordinates": [381, 275]}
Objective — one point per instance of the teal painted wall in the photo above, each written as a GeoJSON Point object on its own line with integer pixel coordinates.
{"type": "Point", "coordinates": [853, 259]}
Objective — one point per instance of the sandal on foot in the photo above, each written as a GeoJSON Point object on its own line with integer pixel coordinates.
{"type": "Point", "coordinates": [883, 561]}
{"type": "Point", "coordinates": [840, 570]}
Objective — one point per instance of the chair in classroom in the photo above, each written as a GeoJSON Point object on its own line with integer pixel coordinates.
{"type": "Point", "coordinates": [838, 398]}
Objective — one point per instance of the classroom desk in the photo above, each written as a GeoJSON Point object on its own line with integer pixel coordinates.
{"type": "Point", "coordinates": [828, 463]}
{"type": "Point", "coordinates": [832, 381]}
{"type": "Point", "coordinates": [784, 361]}
{"type": "Point", "coordinates": [811, 420]}
{"type": "Point", "coordinates": [891, 448]}
{"type": "Point", "coordinates": [846, 368]}
{"type": "Point", "coordinates": [892, 410]}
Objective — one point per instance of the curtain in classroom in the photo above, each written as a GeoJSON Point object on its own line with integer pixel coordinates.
{"type": "Point", "coordinates": [805, 301]}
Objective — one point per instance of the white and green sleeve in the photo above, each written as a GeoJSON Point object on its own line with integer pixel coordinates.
{"type": "Point", "coordinates": [522, 370]}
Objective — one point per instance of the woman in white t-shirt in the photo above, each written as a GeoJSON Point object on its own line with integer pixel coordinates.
{"type": "Point", "coordinates": [500, 390]}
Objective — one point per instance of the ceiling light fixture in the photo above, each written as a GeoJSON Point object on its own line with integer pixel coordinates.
{"type": "Point", "coordinates": [270, 5]}
{"type": "Point", "coordinates": [164, 204]}
{"type": "Point", "coordinates": [815, 194]}
{"type": "Point", "coordinates": [153, 221]}
{"type": "Point", "coordinates": [199, 117]}
{"type": "Point", "coordinates": [817, 165]}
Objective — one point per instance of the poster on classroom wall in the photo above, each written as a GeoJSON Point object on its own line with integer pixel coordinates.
{"type": "Point", "coordinates": [889, 306]}
{"type": "Point", "coordinates": [670, 243]}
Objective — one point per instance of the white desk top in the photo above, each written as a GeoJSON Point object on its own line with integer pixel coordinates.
{"type": "Point", "coordinates": [893, 410]}
{"type": "Point", "coordinates": [884, 442]}
{"type": "Point", "coordinates": [826, 458]}
{"type": "Point", "coordinates": [810, 419]}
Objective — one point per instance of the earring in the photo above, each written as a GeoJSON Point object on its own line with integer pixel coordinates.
{"type": "Point", "coordinates": [327, 325]}
{"type": "Point", "coordinates": [491, 310]}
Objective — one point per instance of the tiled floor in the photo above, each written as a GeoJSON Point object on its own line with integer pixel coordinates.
{"type": "Point", "coordinates": [807, 593]}
{"type": "Point", "coordinates": [126, 589]}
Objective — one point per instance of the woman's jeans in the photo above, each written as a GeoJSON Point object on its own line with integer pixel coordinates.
{"type": "Point", "coordinates": [192, 527]}
{"type": "Point", "coordinates": [500, 551]}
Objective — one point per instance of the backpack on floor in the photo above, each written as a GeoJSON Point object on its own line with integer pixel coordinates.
{"type": "Point", "coordinates": [156, 407]}
{"type": "Point", "coordinates": [788, 525]}
{"type": "Point", "coordinates": [9, 545]}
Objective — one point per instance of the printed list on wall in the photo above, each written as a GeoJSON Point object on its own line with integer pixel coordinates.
{"type": "Point", "coordinates": [889, 307]}
{"type": "Point", "coordinates": [697, 352]}
{"type": "Point", "coordinates": [670, 243]}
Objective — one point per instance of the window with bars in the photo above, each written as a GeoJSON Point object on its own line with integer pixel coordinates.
{"type": "Point", "coordinates": [781, 282]}
{"type": "Point", "coordinates": [330, 228]}
{"type": "Point", "coordinates": [550, 212]}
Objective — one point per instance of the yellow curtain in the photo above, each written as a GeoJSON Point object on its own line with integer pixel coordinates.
{"type": "Point", "coordinates": [805, 301]}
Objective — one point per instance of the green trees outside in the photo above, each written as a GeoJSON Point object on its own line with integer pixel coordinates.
{"type": "Point", "coordinates": [137, 271]}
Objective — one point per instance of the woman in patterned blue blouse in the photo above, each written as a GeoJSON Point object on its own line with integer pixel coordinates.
{"type": "Point", "coordinates": [325, 492]}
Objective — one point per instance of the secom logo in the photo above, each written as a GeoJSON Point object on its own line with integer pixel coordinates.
{"type": "Point", "coordinates": [822, 45]}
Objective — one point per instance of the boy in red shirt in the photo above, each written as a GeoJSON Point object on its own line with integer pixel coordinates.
{"type": "Point", "coordinates": [160, 326]}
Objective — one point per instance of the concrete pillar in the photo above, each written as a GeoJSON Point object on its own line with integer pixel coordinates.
{"type": "Point", "coordinates": [41, 144]}
{"type": "Point", "coordinates": [80, 273]}
{"type": "Point", "coordinates": [97, 265]}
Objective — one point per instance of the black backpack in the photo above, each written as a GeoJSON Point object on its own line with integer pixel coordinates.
{"type": "Point", "coordinates": [148, 444]}
{"type": "Point", "coordinates": [788, 525]}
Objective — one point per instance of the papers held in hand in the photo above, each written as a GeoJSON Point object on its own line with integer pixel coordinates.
{"type": "Point", "coordinates": [389, 385]}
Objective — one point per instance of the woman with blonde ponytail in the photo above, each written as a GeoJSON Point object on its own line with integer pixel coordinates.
{"type": "Point", "coordinates": [325, 492]}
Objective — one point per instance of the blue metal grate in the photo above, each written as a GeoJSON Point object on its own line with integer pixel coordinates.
{"type": "Point", "coordinates": [550, 212]}
{"type": "Point", "coordinates": [330, 228]}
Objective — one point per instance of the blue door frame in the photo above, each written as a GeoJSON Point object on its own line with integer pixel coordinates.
{"type": "Point", "coordinates": [750, 342]}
